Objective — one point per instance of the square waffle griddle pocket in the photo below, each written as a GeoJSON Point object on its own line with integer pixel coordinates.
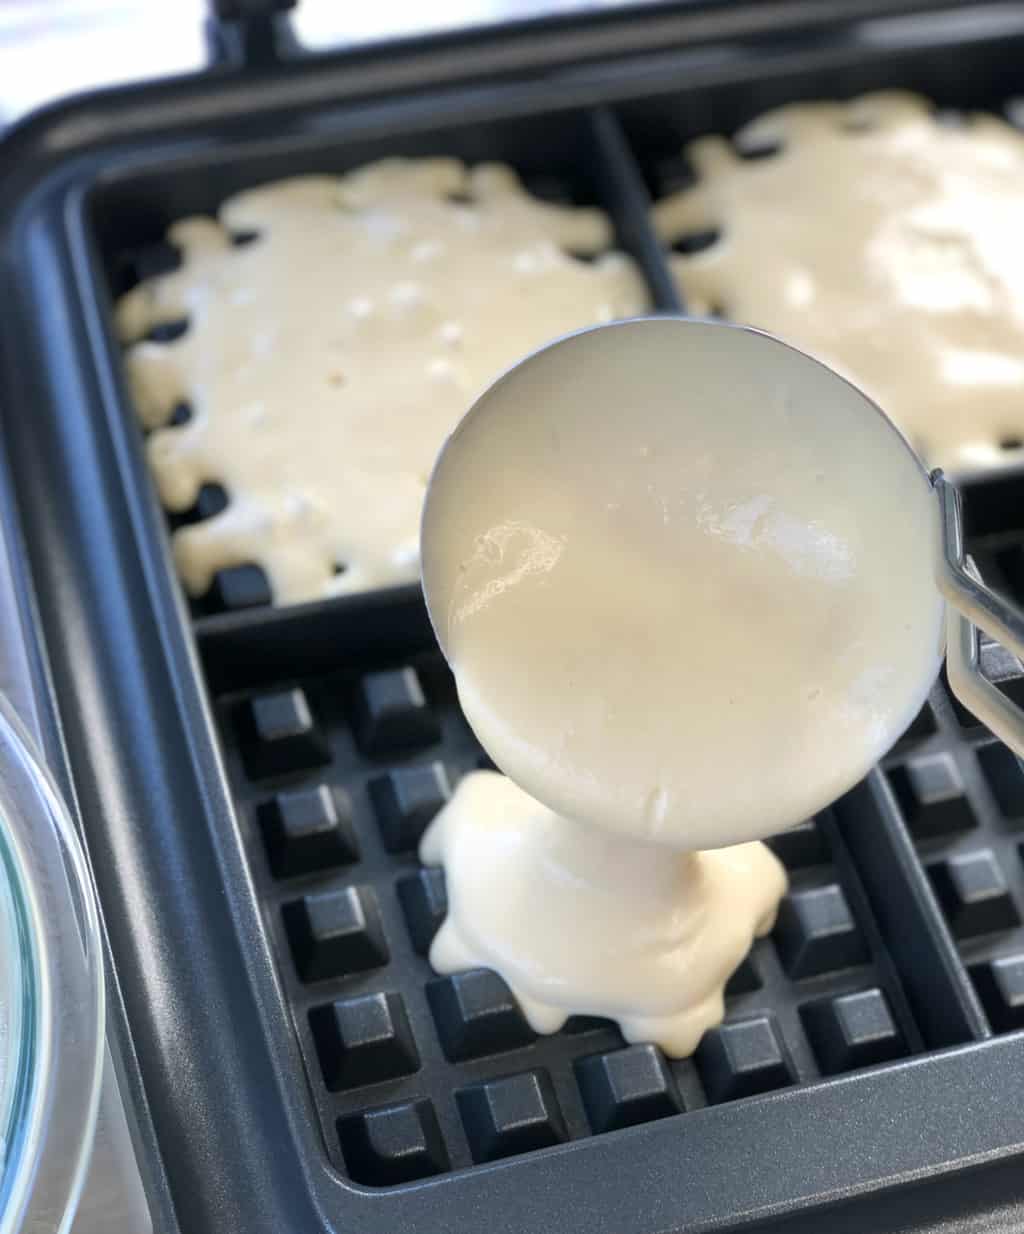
{"type": "Point", "coordinates": [335, 776]}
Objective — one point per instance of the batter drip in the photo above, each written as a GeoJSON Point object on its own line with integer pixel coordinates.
{"type": "Point", "coordinates": [664, 929]}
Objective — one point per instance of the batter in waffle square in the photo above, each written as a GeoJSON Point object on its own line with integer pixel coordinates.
{"type": "Point", "coordinates": [326, 360]}
{"type": "Point", "coordinates": [881, 237]}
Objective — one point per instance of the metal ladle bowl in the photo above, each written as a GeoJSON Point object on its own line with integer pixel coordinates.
{"type": "Point", "coordinates": [971, 605]}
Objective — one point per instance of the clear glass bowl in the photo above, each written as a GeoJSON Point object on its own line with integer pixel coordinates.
{"type": "Point", "coordinates": [51, 996]}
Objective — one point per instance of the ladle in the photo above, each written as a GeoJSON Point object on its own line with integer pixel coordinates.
{"type": "Point", "coordinates": [684, 576]}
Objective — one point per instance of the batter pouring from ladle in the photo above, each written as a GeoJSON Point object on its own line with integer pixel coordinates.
{"type": "Point", "coordinates": [686, 579]}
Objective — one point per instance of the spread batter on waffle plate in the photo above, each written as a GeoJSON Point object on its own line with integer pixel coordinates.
{"type": "Point", "coordinates": [325, 361]}
{"type": "Point", "coordinates": [883, 241]}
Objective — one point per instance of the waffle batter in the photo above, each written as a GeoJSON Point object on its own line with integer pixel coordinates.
{"type": "Point", "coordinates": [676, 629]}
{"type": "Point", "coordinates": [664, 930]}
{"type": "Point", "coordinates": [326, 360]}
{"type": "Point", "coordinates": [883, 242]}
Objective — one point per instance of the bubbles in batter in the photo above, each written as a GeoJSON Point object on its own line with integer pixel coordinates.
{"type": "Point", "coordinates": [325, 360]}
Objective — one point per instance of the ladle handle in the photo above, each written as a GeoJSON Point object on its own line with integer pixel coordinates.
{"type": "Point", "coordinates": [972, 607]}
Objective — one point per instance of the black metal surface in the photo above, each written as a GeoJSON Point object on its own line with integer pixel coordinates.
{"type": "Point", "coordinates": [303, 1067]}
{"type": "Point", "coordinates": [962, 793]}
{"type": "Point", "coordinates": [371, 751]}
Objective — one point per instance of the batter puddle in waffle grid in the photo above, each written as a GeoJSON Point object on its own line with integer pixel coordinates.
{"type": "Point", "coordinates": [884, 242]}
{"type": "Point", "coordinates": [326, 360]}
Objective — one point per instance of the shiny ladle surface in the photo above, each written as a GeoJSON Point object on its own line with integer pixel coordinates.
{"type": "Point", "coordinates": [971, 604]}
